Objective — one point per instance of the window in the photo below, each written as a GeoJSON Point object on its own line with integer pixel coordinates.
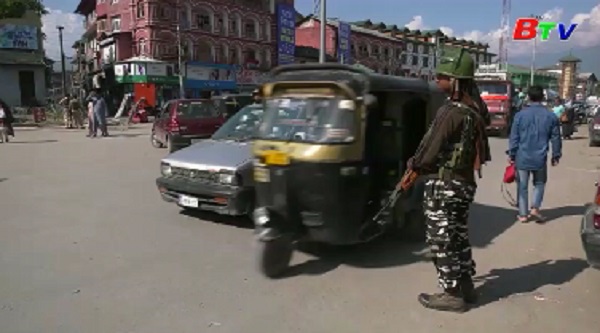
{"type": "Point", "coordinates": [415, 60]}
{"type": "Point", "coordinates": [403, 59]}
{"type": "Point", "coordinates": [101, 25]}
{"type": "Point", "coordinates": [112, 2]}
{"type": "Point", "coordinates": [233, 27]}
{"type": "Point", "coordinates": [250, 30]}
{"type": "Point", "coordinates": [425, 61]}
{"type": "Point", "coordinates": [142, 46]}
{"type": "Point", "coordinates": [203, 21]}
{"type": "Point", "coordinates": [115, 24]}
{"type": "Point", "coordinates": [141, 11]}
{"type": "Point", "coordinates": [425, 49]}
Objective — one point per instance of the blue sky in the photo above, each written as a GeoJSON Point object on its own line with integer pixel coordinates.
{"type": "Point", "coordinates": [435, 12]}
{"type": "Point", "coordinates": [466, 18]}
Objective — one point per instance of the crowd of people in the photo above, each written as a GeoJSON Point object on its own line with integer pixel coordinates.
{"type": "Point", "coordinates": [97, 113]}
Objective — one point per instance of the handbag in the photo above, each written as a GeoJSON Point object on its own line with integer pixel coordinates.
{"type": "Point", "coordinates": [510, 174]}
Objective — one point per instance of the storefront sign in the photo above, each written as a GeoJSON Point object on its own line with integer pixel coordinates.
{"type": "Point", "coordinates": [286, 34]}
{"type": "Point", "coordinates": [210, 76]}
{"type": "Point", "coordinates": [22, 37]}
{"type": "Point", "coordinates": [343, 48]}
{"type": "Point", "coordinates": [146, 72]}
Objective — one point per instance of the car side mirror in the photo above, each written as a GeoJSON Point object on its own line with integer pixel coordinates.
{"type": "Point", "coordinates": [370, 100]}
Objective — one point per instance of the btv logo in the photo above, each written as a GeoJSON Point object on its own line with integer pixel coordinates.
{"type": "Point", "coordinates": [527, 28]}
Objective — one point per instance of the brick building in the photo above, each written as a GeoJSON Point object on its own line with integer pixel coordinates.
{"type": "Point", "coordinates": [214, 35]}
{"type": "Point", "coordinates": [388, 49]}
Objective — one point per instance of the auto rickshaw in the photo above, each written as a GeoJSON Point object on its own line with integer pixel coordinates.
{"type": "Point", "coordinates": [332, 145]}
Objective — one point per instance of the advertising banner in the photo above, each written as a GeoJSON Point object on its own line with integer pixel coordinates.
{"type": "Point", "coordinates": [343, 43]}
{"type": "Point", "coordinates": [23, 37]}
{"type": "Point", "coordinates": [286, 34]}
{"type": "Point", "coordinates": [210, 76]}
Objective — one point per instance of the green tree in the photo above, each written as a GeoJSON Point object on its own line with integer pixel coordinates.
{"type": "Point", "coordinates": [17, 8]}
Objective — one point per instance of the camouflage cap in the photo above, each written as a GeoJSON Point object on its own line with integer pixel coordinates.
{"type": "Point", "coordinates": [457, 63]}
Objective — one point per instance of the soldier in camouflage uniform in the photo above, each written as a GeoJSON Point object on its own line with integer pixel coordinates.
{"type": "Point", "coordinates": [448, 158]}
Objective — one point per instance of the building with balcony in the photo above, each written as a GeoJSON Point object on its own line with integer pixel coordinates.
{"type": "Point", "coordinates": [22, 65]}
{"type": "Point", "coordinates": [586, 84]}
{"type": "Point", "coordinates": [389, 49]}
{"type": "Point", "coordinates": [234, 35]}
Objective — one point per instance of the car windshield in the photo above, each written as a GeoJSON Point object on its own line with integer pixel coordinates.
{"type": "Point", "coordinates": [493, 89]}
{"type": "Point", "coordinates": [197, 109]}
{"type": "Point", "coordinates": [242, 126]}
{"type": "Point", "coordinates": [317, 120]}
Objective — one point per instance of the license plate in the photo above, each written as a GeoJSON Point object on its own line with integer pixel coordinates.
{"type": "Point", "coordinates": [274, 157]}
{"type": "Point", "coordinates": [261, 175]}
{"type": "Point", "coordinates": [186, 201]}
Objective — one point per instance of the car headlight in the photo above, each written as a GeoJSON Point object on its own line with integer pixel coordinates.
{"type": "Point", "coordinates": [228, 179]}
{"type": "Point", "coordinates": [165, 169]}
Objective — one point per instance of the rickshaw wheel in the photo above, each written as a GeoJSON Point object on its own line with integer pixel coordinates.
{"type": "Point", "coordinates": [274, 256]}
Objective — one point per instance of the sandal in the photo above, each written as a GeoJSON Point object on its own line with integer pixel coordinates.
{"type": "Point", "coordinates": [537, 217]}
{"type": "Point", "coordinates": [523, 219]}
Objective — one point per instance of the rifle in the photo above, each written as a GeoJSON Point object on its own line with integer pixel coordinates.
{"type": "Point", "coordinates": [407, 181]}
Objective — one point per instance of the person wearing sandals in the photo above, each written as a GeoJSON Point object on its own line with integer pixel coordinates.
{"type": "Point", "coordinates": [533, 129]}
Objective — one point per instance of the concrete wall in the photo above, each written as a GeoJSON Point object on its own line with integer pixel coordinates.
{"type": "Point", "coordinates": [9, 84]}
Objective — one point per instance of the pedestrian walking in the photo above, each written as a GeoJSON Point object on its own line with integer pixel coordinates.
{"type": "Point", "coordinates": [6, 121]}
{"type": "Point", "coordinates": [67, 114]}
{"type": "Point", "coordinates": [92, 126]}
{"type": "Point", "coordinates": [451, 152]}
{"type": "Point", "coordinates": [533, 129]}
{"type": "Point", "coordinates": [100, 114]}
{"type": "Point", "coordinates": [75, 109]}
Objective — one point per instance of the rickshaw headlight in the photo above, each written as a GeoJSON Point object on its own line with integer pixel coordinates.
{"type": "Point", "coordinates": [165, 169]}
{"type": "Point", "coordinates": [261, 216]}
{"type": "Point", "coordinates": [228, 179]}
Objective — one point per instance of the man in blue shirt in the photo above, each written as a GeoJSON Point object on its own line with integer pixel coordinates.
{"type": "Point", "coordinates": [534, 127]}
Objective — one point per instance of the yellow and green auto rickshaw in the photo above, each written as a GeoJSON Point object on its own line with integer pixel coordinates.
{"type": "Point", "coordinates": [332, 145]}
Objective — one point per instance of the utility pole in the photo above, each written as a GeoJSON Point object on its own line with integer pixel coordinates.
{"type": "Point", "coordinates": [62, 59]}
{"type": "Point", "coordinates": [533, 54]}
{"type": "Point", "coordinates": [180, 52]}
{"type": "Point", "coordinates": [323, 42]}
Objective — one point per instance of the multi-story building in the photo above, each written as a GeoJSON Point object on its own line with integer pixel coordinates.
{"type": "Point", "coordinates": [388, 49]}
{"type": "Point", "coordinates": [226, 35]}
{"type": "Point", "coordinates": [22, 65]}
{"type": "Point", "coordinates": [586, 84]}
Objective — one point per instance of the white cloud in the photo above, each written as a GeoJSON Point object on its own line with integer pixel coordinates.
{"type": "Point", "coordinates": [586, 34]}
{"type": "Point", "coordinates": [73, 25]}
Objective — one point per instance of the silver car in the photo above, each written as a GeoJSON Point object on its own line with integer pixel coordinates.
{"type": "Point", "coordinates": [215, 174]}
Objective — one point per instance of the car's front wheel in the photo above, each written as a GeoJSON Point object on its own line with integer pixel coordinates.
{"type": "Point", "coordinates": [154, 141]}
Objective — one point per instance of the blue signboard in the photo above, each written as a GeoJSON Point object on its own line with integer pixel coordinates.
{"type": "Point", "coordinates": [344, 53]}
{"type": "Point", "coordinates": [286, 34]}
{"type": "Point", "coordinates": [206, 76]}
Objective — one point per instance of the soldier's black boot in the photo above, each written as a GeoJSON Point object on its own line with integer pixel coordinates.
{"type": "Point", "coordinates": [451, 300]}
{"type": "Point", "coordinates": [468, 289]}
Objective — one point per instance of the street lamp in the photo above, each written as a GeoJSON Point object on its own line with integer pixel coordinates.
{"type": "Point", "coordinates": [323, 19]}
{"type": "Point", "coordinates": [62, 59]}
{"type": "Point", "coordinates": [533, 51]}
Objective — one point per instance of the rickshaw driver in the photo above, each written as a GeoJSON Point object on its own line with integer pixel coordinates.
{"type": "Point", "coordinates": [448, 156]}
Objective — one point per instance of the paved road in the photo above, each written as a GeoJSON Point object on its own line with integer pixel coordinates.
{"type": "Point", "coordinates": [86, 245]}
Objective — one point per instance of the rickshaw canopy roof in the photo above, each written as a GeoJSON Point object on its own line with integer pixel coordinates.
{"type": "Point", "coordinates": [357, 79]}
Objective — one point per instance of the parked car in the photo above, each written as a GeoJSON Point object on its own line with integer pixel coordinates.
{"type": "Point", "coordinates": [594, 130]}
{"type": "Point", "coordinates": [231, 104]}
{"type": "Point", "coordinates": [215, 174]}
{"type": "Point", "coordinates": [590, 231]}
{"type": "Point", "coordinates": [182, 122]}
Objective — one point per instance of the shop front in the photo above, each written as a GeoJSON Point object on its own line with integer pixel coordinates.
{"type": "Point", "coordinates": [202, 79]}
{"type": "Point", "coordinates": [154, 80]}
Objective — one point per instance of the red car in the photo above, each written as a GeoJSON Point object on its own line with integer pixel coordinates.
{"type": "Point", "coordinates": [181, 122]}
{"type": "Point", "coordinates": [590, 231]}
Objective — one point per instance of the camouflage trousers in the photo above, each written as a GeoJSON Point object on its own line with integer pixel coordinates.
{"type": "Point", "coordinates": [447, 212]}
